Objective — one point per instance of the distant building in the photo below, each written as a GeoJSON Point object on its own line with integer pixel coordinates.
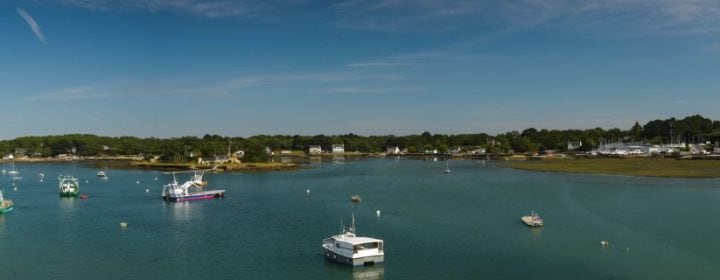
{"type": "Point", "coordinates": [220, 159]}
{"type": "Point", "coordinates": [19, 152]}
{"type": "Point", "coordinates": [479, 151]}
{"type": "Point", "coordinates": [393, 150]}
{"type": "Point", "coordinates": [338, 148]}
{"type": "Point", "coordinates": [573, 145]}
{"type": "Point", "coordinates": [285, 152]}
{"type": "Point", "coordinates": [716, 151]}
{"type": "Point", "coordinates": [431, 151]}
{"type": "Point", "coordinates": [315, 149]}
{"type": "Point", "coordinates": [239, 153]}
{"type": "Point", "coordinates": [456, 150]}
{"type": "Point", "coordinates": [105, 148]}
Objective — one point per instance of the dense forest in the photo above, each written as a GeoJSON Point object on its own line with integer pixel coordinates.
{"type": "Point", "coordinates": [692, 129]}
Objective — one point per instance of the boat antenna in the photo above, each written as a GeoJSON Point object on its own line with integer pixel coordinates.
{"type": "Point", "coordinates": [342, 227]}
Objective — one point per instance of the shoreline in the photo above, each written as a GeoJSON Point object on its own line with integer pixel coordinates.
{"type": "Point", "coordinates": [637, 167]}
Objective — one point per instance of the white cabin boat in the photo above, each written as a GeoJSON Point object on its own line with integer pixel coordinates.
{"type": "Point", "coordinates": [102, 175]}
{"type": "Point", "coordinates": [347, 248]}
{"type": "Point", "coordinates": [533, 220]}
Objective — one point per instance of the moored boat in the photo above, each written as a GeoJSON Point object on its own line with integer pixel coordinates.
{"type": "Point", "coordinates": [348, 248]}
{"type": "Point", "coordinates": [102, 175]}
{"type": "Point", "coordinates": [6, 205]}
{"type": "Point", "coordinates": [69, 186]}
{"type": "Point", "coordinates": [533, 220]}
{"type": "Point", "coordinates": [188, 190]}
{"type": "Point", "coordinates": [197, 178]}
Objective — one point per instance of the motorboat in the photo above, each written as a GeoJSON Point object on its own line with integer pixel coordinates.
{"type": "Point", "coordinates": [348, 248]}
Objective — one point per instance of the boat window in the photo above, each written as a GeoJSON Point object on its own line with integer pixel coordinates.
{"type": "Point", "coordinates": [337, 245]}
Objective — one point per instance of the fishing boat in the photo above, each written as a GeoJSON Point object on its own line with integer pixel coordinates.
{"type": "Point", "coordinates": [533, 220]}
{"type": "Point", "coordinates": [197, 178]}
{"type": "Point", "coordinates": [102, 175]}
{"type": "Point", "coordinates": [348, 248]}
{"type": "Point", "coordinates": [69, 186]}
{"type": "Point", "coordinates": [186, 191]}
{"type": "Point", "coordinates": [6, 205]}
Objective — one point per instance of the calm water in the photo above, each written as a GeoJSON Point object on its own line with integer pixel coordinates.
{"type": "Point", "coordinates": [435, 226]}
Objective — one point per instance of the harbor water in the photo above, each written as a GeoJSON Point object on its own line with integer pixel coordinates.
{"type": "Point", "coordinates": [461, 225]}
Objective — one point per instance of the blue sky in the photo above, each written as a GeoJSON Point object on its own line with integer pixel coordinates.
{"type": "Point", "coordinates": [240, 68]}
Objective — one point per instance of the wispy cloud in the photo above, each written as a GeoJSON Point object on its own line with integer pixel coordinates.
{"type": "Point", "coordinates": [206, 8]}
{"type": "Point", "coordinates": [374, 90]}
{"type": "Point", "coordinates": [71, 94]}
{"type": "Point", "coordinates": [383, 64]}
{"type": "Point", "coordinates": [667, 17]}
{"type": "Point", "coordinates": [33, 25]}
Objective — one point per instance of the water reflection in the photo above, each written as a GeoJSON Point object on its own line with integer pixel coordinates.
{"type": "Point", "coordinates": [68, 204]}
{"type": "Point", "coordinates": [184, 211]}
{"type": "Point", "coordinates": [369, 272]}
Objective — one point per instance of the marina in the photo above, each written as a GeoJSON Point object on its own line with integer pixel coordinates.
{"type": "Point", "coordinates": [433, 226]}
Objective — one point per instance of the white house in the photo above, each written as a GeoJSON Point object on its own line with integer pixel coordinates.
{"type": "Point", "coordinates": [479, 151]}
{"type": "Point", "coordinates": [315, 149]}
{"type": "Point", "coordinates": [433, 151]}
{"type": "Point", "coordinates": [239, 154]}
{"type": "Point", "coordinates": [338, 148]}
{"type": "Point", "coordinates": [393, 150]}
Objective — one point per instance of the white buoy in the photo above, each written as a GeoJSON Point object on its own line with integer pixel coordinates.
{"type": "Point", "coordinates": [15, 188]}
{"type": "Point", "coordinates": [123, 224]}
{"type": "Point", "coordinates": [604, 243]}
{"type": "Point", "coordinates": [377, 213]}
{"type": "Point", "coordinates": [86, 181]}
{"type": "Point", "coordinates": [137, 182]}
{"type": "Point", "coordinates": [41, 180]}
{"type": "Point", "coordinates": [307, 191]}
{"type": "Point", "coordinates": [155, 178]}
{"type": "Point", "coordinates": [147, 190]}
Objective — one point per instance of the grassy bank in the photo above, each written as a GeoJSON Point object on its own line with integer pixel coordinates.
{"type": "Point", "coordinates": [652, 167]}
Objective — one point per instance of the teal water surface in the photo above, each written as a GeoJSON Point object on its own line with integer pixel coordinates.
{"type": "Point", "coordinates": [462, 225]}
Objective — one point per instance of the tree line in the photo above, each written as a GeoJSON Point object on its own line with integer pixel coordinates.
{"type": "Point", "coordinates": [691, 129]}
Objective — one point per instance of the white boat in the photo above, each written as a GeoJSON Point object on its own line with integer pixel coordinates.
{"type": "Point", "coordinates": [13, 171]}
{"type": "Point", "coordinates": [188, 190]}
{"type": "Point", "coordinates": [348, 248]}
{"type": "Point", "coordinates": [69, 185]}
{"type": "Point", "coordinates": [533, 220]}
{"type": "Point", "coordinates": [447, 166]}
{"type": "Point", "coordinates": [197, 178]}
{"type": "Point", "coordinates": [102, 175]}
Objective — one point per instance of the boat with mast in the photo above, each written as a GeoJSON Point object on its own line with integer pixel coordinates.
{"type": "Point", "coordinates": [13, 171]}
{"type": "Point", "coordinates": [189, 190]}
{"type": "Point", "coordinates": [348, 248]}
{"type": "Point", "coordinates": [447, 166]}
{"type": "Point", "coordinates": [6, 205]}
{"type": "Point", "coordinates": [69, 185]}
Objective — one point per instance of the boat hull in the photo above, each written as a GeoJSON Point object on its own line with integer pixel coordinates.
{"type": "Point", "coordinates": [196, 196]}
{"type": "Point", "coordinates": [528, 220]}
{"type": "Point", "coordinates": [368, 260]}
{"type": "Point", "coordinates": [5, 210]}
{"type": "Point", "coordinates": [69, 194]}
